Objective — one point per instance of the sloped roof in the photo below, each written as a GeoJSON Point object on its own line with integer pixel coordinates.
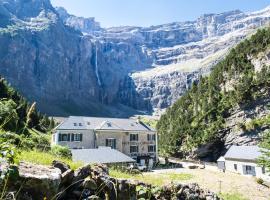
{"type": "Point", "coordinates": [102, 155]}
{"type": "Point", "coordinates": [243, 153]}
{"type": "Point", "coordinates": [108, 125]}
{"type": "Point", "coordinates": [96, 123]}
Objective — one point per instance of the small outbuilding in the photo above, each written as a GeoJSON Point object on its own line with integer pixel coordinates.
{"type": "Point", "coordinates": [101, 155]}
{"type": "Point", "coordinates": [243, 160]}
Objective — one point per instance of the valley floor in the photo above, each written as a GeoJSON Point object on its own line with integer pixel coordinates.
{"type": "Point", "coordinates": [230, 182]}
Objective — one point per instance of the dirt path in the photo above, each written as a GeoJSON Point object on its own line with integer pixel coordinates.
{"type": "Point", "coordinates": [224, 182]}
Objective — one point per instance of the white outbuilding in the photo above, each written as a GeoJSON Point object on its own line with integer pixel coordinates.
{"type": "Point", "coordinates": [243, 160]}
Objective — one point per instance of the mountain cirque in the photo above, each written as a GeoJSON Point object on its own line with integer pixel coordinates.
{"type": "Point", "coordinates": [71, 65]}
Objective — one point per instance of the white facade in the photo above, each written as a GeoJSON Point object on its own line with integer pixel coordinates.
{"type": "Point", "coordinates": [246, 168]}
{"type": "Point", "coordinates": [87, 142]}
{"type": "Point", "coordinates": [129, 136]}
{"type": "Point", "coordinates": [243, 160]}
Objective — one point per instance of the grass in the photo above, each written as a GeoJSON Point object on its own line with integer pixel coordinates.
{"type": "Point", "coordinates": [44, 158]}
{"type": "Point", "coordinates": [151, 178]}
{"type": "Point", "coordinates": [232, 196]}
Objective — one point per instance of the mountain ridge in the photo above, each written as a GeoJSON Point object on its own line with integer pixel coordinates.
{"type": "Point", "coordinates": [102, 72]}
{"type": "Point", "coordinates": [228, 107]}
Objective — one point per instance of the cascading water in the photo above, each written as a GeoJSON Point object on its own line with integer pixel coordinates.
{"type": "Point", "coordinates": [96, 66]}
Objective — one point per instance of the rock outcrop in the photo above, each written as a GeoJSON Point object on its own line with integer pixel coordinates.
{"type": "Point", "coordinates": [93, 182]}
{"type": "Point", "coordinates": [29, 181]}
{"type": "Point", "coordinates": [71, 65]}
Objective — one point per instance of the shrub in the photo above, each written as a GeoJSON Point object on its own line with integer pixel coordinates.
{"type": "Point", "coordinates": [61, 151]}
{"type": "Point", "coordinates": [259, 181]}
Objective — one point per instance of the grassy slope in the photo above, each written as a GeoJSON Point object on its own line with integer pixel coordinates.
{"type": "Point", "coordinates": [151, 178]}
{"type": "Point", "coordinates": [44, 158]}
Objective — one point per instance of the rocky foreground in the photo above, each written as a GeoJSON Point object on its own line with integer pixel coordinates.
{"type": "Point", "coordinates": [89, 182]}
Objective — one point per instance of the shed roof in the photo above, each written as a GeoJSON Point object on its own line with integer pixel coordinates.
{"type": "Point", "coordinates": [243, 153]}
{"type": "Point", "coordinates": [96, 123]}
{"type": "Point", "coordinates": [102, 155]}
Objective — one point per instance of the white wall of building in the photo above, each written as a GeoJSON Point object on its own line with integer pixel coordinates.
{"type": "Point", "coordinates": [88, 140]}
{"type": "Point", "coordinates": [229, 164]}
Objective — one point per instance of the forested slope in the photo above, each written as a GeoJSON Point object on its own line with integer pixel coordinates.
{"type": "Point", "coordinates": [20, 123]}
{"type": "Point", "coordinates": [238, 84]}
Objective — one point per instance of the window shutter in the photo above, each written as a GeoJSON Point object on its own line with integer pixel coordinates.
{"type": "Point", "coordinates": [68, 137]}
{"type": "Point", "coordinates": [59, 137]}
{"type": "Point", "coordinates": [72, 137]}
{"type": "Point", "coordinates": [81, 137]}
{"type": "Point", "coordinates": [106, 142]}
{"type": "Point", "coordinates": [114, 143]}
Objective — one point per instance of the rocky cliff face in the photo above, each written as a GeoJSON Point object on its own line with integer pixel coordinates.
{"type": "Point", "coordinates": [71, 65]}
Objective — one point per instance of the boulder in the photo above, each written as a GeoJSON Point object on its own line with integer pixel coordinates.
{"type": "Point", "coordinates": [82, 173]}
{"type": "Point", "coordinates": [37, 181]}
{"type": "Point", "coordinates": [67, 177]}
{"type": "Point", "coordinates": [90, 184]}
{"type": "Point", "coordinates": [60, 165]}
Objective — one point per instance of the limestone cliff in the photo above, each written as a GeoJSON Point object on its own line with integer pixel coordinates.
{"type": "Point", "coordinates": [71, 65]}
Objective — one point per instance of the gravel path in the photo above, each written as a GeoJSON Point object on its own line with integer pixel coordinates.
{"type": "Point", "coordinates": [225, 182]}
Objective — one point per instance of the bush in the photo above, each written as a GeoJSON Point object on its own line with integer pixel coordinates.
{"type": "Point", "coordinates": [61, 151]}
{"type": "Point", "coordinates": [259, 181]}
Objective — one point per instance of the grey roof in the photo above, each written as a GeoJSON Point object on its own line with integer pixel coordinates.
{"type": "Point", "coordinates": [96, 123]}
{"type": "Point", "coordinates": [243, 153]}
{"type": "Point", "coordinates": [103, 155]}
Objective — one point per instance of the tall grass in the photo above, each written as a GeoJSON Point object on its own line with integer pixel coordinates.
{"type": "Point", "coordinates": [44, 158]}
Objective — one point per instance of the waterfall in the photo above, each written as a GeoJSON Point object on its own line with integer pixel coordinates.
{"type": "Point", "coordinates": [96, 66]}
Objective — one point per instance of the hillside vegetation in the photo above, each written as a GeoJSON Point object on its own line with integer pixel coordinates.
{"type": "Point", "coordinates": [20, 123]}
{"type": "Point", "coordinates": [199, 116]}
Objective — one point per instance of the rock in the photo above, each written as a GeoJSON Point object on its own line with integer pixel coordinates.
{"type": "Point", "coordinates": [67, 177]}
{"type": "Point", "coordinates": [77, 193]}
{"type": "Point", "coordinates": [89, 184]}
{"type": "Point", "coordinates": [37, 181]}
{"type": "Point", "coordinates": [149, 67]}
{"type": "Point", "coordinates": [94, 197]}
{"type": "Point", "coordinates": [60, 165]}
{"type": "Point", "coordinates": [82, 173]}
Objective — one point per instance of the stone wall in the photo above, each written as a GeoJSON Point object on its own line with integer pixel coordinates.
{"type": "Point", "coordinates": [91, 182]}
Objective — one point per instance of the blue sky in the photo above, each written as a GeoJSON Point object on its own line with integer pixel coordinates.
{"type": "Point", "coordinates": [153, 12]}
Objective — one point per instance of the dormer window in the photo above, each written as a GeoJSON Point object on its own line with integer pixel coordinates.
{"type": "Point", "coordinates": [109, 124]}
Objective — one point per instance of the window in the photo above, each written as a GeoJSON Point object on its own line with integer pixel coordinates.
{"type": "Point", "coordinates": [88, 123]}
{"type": "Point", "coordinates": [134, 149]}
{"type": "Point", "coordinates": [249, 170]}
{"type": "Point", "coordinates": [75, 124]}
{"type": "Point", "coordinates": [235, 167]}
{"type": "Point", "coordinates": [80, 124]}
{"type": "Point", "coordinates": [64, 137]}
{"type": "Point", "coordinates": [77, 137]}
{"type": "Point", "coordinates": [111, 142]}
{"type": "Point", "coordinates": [151, 137]}
{"type": "Point", "coordinates": [152, 148]}
{"type": "Point", "coordinates": [134, 137]}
